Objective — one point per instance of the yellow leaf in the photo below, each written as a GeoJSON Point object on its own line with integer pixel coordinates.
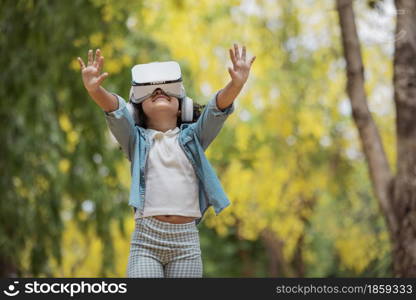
{"type": "Point", "coordinates": [65, 123]}
{"type": "Point", "coordinates": [64, 165]}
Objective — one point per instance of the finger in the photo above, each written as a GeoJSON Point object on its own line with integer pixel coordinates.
{"type": "Point", "coordinates": [90, 57]}
{"type": "Point", "coordinates": [237, 53]}
{"type": "Point", "coordinates": [97, 58]}
{"type": "Point", "coordinates": [81, 63]}
{"type": "Point", "coordinates": [100, 64]}
{"type": "Point", "coordinates": [244, 53]}
{"type": "Point", "coordinates": [252, 60]}
{"type": "Point", "coordinates": [232, 56]}
{"type": "Point", "coordinates": [102, 77]}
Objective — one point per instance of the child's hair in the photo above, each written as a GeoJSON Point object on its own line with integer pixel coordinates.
{"type": "Point", "coordinates": [142, 118]}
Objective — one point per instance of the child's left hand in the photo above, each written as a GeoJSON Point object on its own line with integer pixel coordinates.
{"type": "Point", "coordinates": [241, 68]}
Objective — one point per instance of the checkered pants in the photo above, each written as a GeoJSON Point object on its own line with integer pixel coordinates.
{"type": "Point", "coordinates": [163, 249]}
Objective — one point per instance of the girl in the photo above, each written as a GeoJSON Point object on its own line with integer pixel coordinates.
{"type": "Point", "coordinates": [169, 166]}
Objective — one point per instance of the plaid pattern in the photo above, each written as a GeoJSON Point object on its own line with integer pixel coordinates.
{"type": "Point", "coordinates": [162, 249]}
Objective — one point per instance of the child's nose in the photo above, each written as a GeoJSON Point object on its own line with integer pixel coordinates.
{"type": "Point", "coordinates": [158, 91]}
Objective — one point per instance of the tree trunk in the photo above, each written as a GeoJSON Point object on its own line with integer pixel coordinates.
{"type": "Point", "coordinates": [396, 196]}
{"type": "Point", "coordinates": [248, 267]}
{"type": "Point", "coordinates": [404, 192]}
{"type": "Point", "coordinates": [7, 269]}
{"type": "Point", "coordinates": [298, 261]}
{"type": "Point", "coordinates": [372, 146]}
{"type": "Point", "coordinates": [274, 250]}
{"type": "Point", "coordinates": [245, 256]}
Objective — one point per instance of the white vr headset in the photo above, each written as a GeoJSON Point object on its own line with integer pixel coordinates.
{"type": "Point", "coordinates": [146, 78]}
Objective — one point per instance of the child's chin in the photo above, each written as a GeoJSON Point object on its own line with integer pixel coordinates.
{"type": "Point", "coordinates": [165, 110]}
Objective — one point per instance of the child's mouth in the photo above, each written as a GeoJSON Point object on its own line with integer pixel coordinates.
{"type": "Point", "coordinates": [161, 98]}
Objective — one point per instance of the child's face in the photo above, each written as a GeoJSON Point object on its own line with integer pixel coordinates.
{"type": "Point", "coordinates": [159, 103]}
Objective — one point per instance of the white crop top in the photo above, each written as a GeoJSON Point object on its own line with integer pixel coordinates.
{"type": "Point", "coordinates": [171, 184]}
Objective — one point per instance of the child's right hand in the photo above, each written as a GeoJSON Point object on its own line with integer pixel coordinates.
{"type": "Point", "coordinates": [91, 73]}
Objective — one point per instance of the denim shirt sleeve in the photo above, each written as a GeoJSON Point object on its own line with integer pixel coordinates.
{"type": "Point", "coordinates": [121, 124]}
{"type": "Point", "coordinates": [211, 121]}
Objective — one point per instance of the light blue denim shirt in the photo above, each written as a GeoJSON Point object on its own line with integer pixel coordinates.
{"type": "Point", "coordinates": [194, 139]}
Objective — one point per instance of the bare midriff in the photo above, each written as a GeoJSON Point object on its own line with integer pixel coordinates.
{"type": "Point", "coordinates": [174, 219]}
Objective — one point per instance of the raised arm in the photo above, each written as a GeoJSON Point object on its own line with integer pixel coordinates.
{"type": "Point", "coordinates": [221, 105]}
{"type": "Point", "coordinates": [118, 118]}
{"type": "Point", "coordinates": [92, 80]}
{"type": "Point", "coordinates": [239, 75]}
